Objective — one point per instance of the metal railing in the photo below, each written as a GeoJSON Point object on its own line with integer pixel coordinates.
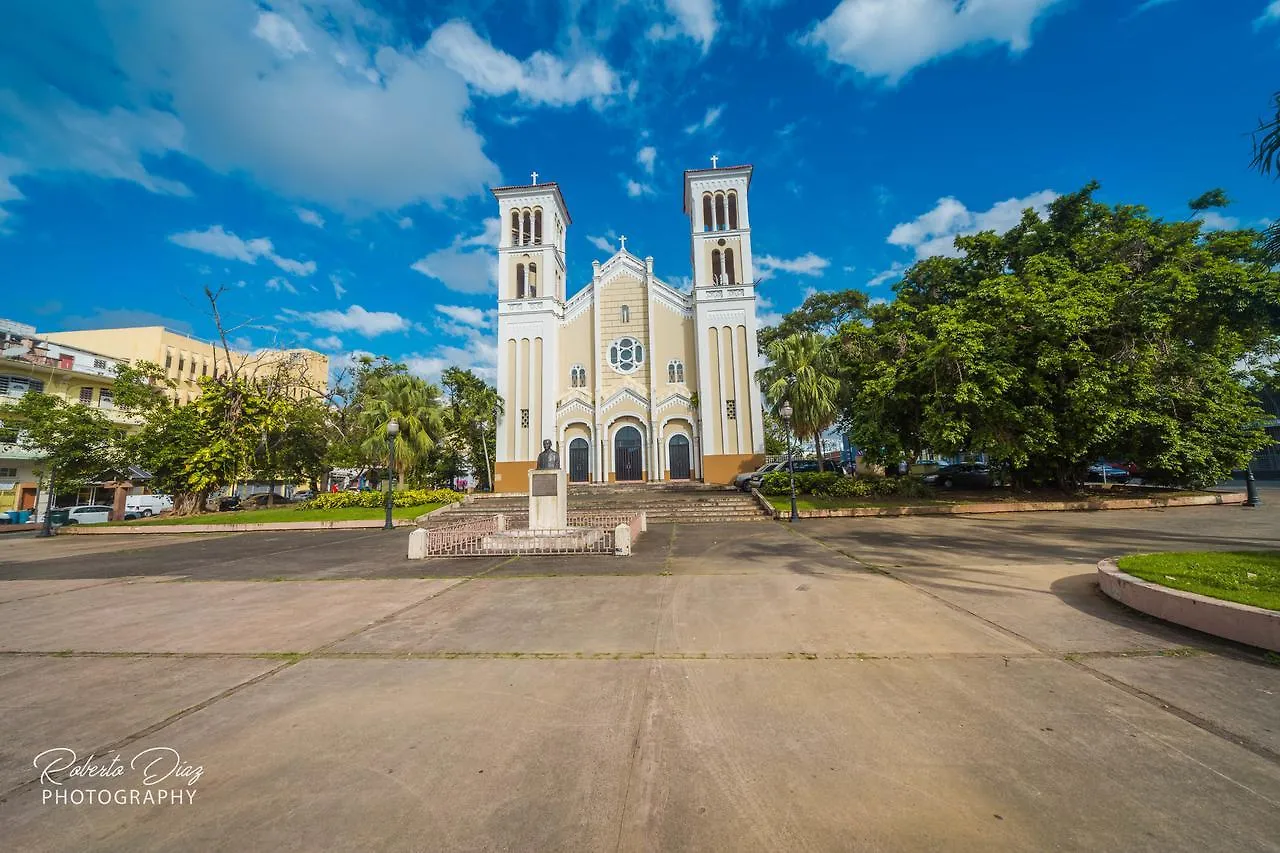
{"type": "Point", "coordinates": [481, 536]}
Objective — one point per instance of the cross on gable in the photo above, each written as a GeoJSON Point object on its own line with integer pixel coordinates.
{"type": "Point", "coordinates": [714, 158]}
{"type": "Point", "coordinates": [535, 177]}
{"type": "Point", "coordinates": [623, 241]}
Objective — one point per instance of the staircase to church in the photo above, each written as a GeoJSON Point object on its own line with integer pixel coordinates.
{"type": "Point", "coordinates": [685, 503]}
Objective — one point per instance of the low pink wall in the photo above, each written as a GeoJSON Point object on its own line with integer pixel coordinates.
{"type": "Point", "coordinates": [85, 529]}
{"type": "Point", "coordinates": [1253, 626]}
{"type": "Point", "coordinates": [1025, 506]}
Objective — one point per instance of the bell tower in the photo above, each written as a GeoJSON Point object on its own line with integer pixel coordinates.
{"type": "Point", "coordinates": [731, 408]}
{"type": "Point", "coordinates": [531, 296]}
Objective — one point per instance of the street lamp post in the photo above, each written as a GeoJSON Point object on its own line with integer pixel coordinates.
{"type": "Point", "coordinates": [48, 504]}
{"type": "Point", "coordinates": [1251, 498]}
{"type": "Point", "coordinates": [786, 411]}
{"type": "Point", "coordinates": [393, 429]}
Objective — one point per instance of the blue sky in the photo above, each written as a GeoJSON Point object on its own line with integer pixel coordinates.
{"type": "Point", "coordinates": [327, 161]}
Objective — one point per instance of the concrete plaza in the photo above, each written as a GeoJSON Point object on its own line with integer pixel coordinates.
{"type": "Point", "coordinates": [843, 684]}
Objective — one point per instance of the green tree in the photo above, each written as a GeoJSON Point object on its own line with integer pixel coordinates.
{"type": "Point", "coordinates": [1266, 159]}
{"type": "Point", "coordinates": [471, 419]}
{"type": "Point", "coordinates": [1094, 331]}
{"type": "Point", "coordinates": [76, 443]}
{"type": "Point", "coordinates": [823, 312]}
{"type": "Point", "coordinates": [415, 404]}
{"type": "Point", "coordinates": [802, 371]}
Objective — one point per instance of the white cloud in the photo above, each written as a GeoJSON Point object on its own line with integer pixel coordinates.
{"type": "Point", "coordinates": [469, 264]}
{"type": "Point", "coordinates": [711, 117]}
{"type": "Point", "coordinates": [1270, 15]}
{"type": "Point", "coordinates": [278, 283]}
{"type": "Point", "coordinates": [636, 189]}
{"type": "Point", "coordinates": [338, 289]}
{"type": "Point", "coordinates": [607, 243]}
{"type": "Point", "coordinates": [224, 244]}
{"type": "Point", "coordinates": [806, 264]}
{"type": "Point", "coordinates": [1148, 5]}
{"type": "Point", "coordinates": [334, 109]}
{"type": "Point", "coordinates": [278, 32]}
{"type": "Point", "coordinates": [465, 314]}
{"type": "Point", "coordinates": [328, 343]}
{"type": "Point", "coordinates": [892, 272]}
{"type": "Point", "coordinates": [934, 232]}
{"type": "Point", "coordinates": [1215, 221]}
{"type": "Point", "coordinates": [693, 18]}
{"type": "Point", "coordinates": [8, 192]}
{"type": "Point", "coordinates": [405, 223]}
{"type": "Point", "coordinates": [354, 319]}
{"type": "Point", "coordinates": [887, 38]}
{"type": "Point", "coordinates": [541, 79]}
{"type": "Point", "coordinates": [310, 217]}
{"type": "Point", "coordinates": [648, 154]}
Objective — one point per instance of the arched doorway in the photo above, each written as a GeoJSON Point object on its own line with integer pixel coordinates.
{"type": "Point", "coordinates": [628, 460]}
{"type": "Point", "coordinates": [679, 456]}
{"type": "Point", "coordinates": [579, 461]}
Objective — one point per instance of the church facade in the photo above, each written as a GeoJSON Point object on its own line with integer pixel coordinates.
{"type": "Point", "coordinates": [630, 379]}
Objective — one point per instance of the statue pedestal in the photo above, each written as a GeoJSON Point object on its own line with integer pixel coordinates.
{"type": "Point", "coordinates": [548, 499]}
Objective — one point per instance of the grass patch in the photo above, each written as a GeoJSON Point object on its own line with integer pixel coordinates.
{"type": "Point", "coordinates": [288, 513]}
{"type": "Point", "coordinates": [1245, 577]}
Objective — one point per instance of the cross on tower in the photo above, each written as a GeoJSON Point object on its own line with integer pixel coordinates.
{"type": "Point", "coordinates": [623, 241]}
{"type": "Point", "coordinates": [714, 158]}
{"type": "Point", "coordinates": [535, 177]}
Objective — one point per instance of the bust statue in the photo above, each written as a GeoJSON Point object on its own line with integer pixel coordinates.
{"type": "Point", "coordinates": [548, 459]}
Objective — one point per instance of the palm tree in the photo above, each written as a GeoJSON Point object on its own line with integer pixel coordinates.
{"type": "Point", "coordinates": [1266, 159]}
{"type": "Point", "coordinates": [415, 404]}
{"type": "Point", "coordinates": [802, 370]}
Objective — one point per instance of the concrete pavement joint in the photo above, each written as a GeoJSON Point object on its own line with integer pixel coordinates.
{"type": "Point", "coordinates": [1074, 660]}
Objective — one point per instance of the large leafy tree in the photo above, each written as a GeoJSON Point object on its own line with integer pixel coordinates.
{"type": "Point", "coordinates": [823, 312]}
{"type": "Point", "coordinates": [802, 371]}
{"type": "Point", "coordinates": [1095, 330]}
{"type": "Point", "coordinates": [470, 416]}
{"type": "Point", "coordinates": [77, 444]}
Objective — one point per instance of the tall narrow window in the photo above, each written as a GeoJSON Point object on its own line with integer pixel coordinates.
{"type": "Point", "coordinates": [675, 371]}
{"type": "Point", "coordinates": [715, 266]}
{"type": "Point", "coordinates": [578, 376]}
{"type": "Point", "coordinates": [626, 314]}
{"type": "Point", "coordinates": [528, 229]}
{"type": "Point", "coordinates": [728, 267]}
{"type": "Point", "coordinates": [537, 226]}
{"type": "Point", "coordinates": [515, 228]}
{"type": "Point", "coordinates": [733, 211]}
{"type": "Point", "coordinates": [707, 222]}
{"type": "Point", "coordinates": [719, 211]}
{"type": "Point", "coordinates": [533, 280]}
{"type": "Point", "coordinates": [519, 281]}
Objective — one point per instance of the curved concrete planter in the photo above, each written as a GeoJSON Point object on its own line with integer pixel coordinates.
{"type": "Point", "coordinates": [1024, 506]}
{"type": "Point", "coordinates": [1243, 623]}
{"type": "Point", "coordinates": [87, 530]}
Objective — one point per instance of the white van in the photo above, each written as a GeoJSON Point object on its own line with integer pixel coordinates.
{"type": "Point", "coordinates": [147, 505]}
{"type": "Point", "coordinates": [93, 514]}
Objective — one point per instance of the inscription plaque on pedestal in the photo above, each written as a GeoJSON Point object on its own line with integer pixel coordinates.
{"type": "Point", "coordinates": [544, 485]}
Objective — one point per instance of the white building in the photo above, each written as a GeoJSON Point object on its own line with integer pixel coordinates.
{"type": "Point", "coordinates": [630, 379]}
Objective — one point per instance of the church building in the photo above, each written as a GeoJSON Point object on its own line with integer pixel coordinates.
{"type": "Point", "coordinates": [630, 379]}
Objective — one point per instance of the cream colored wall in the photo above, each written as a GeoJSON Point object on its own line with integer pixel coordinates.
{"type": "Point", "coordinates": [629, 291]}
{"type": "Point", "coordinates": [575, 348]}
{"type": "Point", "coordinates": [673, 337]}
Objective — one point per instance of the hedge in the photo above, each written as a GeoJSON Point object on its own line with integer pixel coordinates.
{"type": "Point", "coordinates": [833, 485]}
{"type": "Point", "coordinates": [408, 497]}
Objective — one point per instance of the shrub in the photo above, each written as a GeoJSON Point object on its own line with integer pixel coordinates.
{"type": "Point", "coordinates": [373, 500]}
{"type": "Point", "coordinates": [846, 487]}
{"type": "Point", "coordinates": [776, 483]}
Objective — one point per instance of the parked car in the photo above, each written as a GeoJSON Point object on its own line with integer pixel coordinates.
{"type": "Point", "coordinates": [963, 475]}
{"type": "Point", "coordinates": [259, 501]}
{"type": "Point", "coordinates": [1108, 473]}
{"type": "Point", "coordinates": [303, 495]}
{"type": "Point", "coordinates": [145, 506]}
{"type": "Point", "coordinates": [92, 514]}
{"type": "Point", "coordinates": [811, 466]}
{"type": "Point", "coordinates": [228, 503]}
{"type": "Point", "coordinates": [751, 480]}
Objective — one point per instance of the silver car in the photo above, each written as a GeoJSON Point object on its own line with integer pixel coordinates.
{"type": "Point", "coordinates": [746, 482]}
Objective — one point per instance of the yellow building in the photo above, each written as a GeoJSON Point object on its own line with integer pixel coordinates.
{"type": "Point", "coordinates": [186, 359]}
{"type": "Point", "coordinates": [30, 363]}
{"type": "Point", "coordinates": [630, 378]}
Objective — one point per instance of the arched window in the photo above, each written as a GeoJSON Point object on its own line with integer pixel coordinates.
{"type": "Point", "coordinates": [707, 222]}
{"type": "Point", "coordinates": [577, 376]}
{"type": "Point", "coordinates": [533, 280]}
{"type": "Point", "coordinates": [675, 371]}
{"type": "Point", "coordinates": [716, 270]}
{"type": "Point", "coordinates": [528, 229]}
{"type": "Point", "coordinates": [626, 314]}
{"type": "Point", "coordinates": [625, 355]}
{"type": "Point", "coordinates": [720, 211]}
{"type": "Point", "coordinates": [515, 228]}
{"type": "Point", "coordinates": [728, 267]}
{"type": "Point", "coordinates": [519, 281]}
{"type": "Point", "coordinates": [537, 226]}
{"type": "Point", "coordinates": [733, 211]}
